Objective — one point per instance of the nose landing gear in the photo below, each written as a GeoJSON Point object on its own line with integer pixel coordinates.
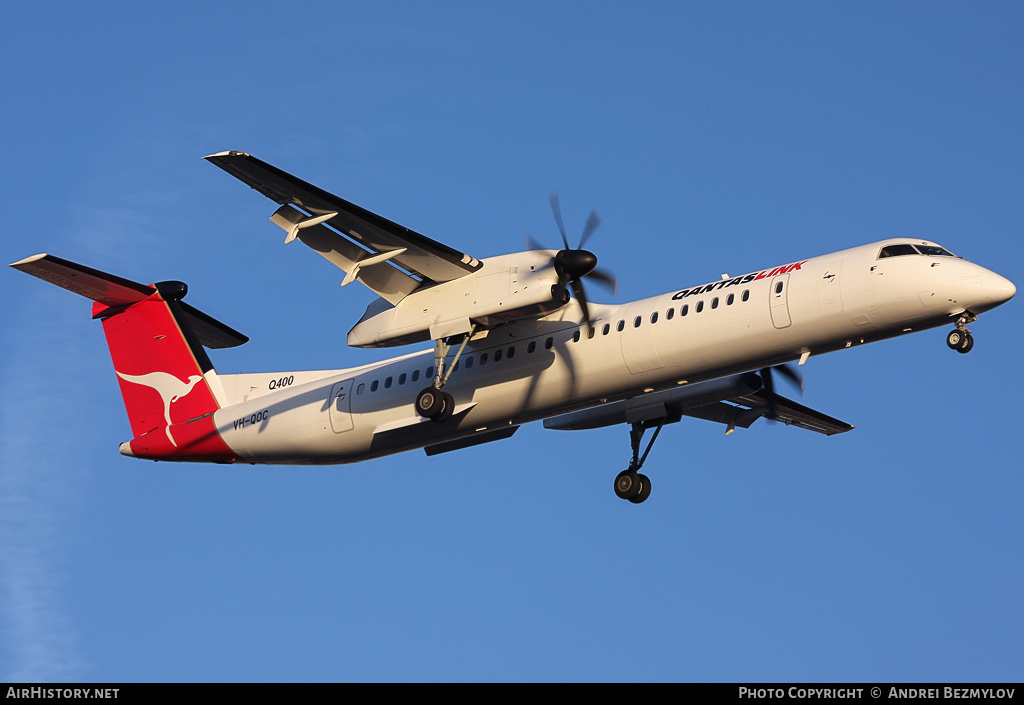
{"type": "Point", "coordinates": [960, 338]}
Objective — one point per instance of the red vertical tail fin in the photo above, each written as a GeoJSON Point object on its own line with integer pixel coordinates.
{"type": "Point", "coordinates": [156, 344]}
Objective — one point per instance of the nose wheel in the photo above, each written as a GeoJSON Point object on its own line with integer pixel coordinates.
{"type": "Point", "coordinates": [960, 339]}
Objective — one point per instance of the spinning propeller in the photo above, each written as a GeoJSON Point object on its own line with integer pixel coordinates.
{"type": "Point", "coordinates": [786, 371]}
{"type": "Point", "coordinates": [574, 264]}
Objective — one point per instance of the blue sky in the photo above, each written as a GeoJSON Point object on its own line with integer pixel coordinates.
{"type": "Point", "coordinates": [711, 137]}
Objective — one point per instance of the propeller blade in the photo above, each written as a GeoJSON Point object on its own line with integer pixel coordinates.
{"type": "Point", "coordinates": [532, 244]}
{"type": "Point", "coordinates": [769, 391]}
{"type": "Point", "coordinates": [593, 220]}
{"type": "Point", "coordinates": [606, 278]}
{"type": "Point", "coordinates": [556, 210]}
{"type": "Point", "coordinates": [793, 375]}
{"type": "Point", "coordinates": [581, 297]}
{"type": "Point", "coordinates": [786, 371]}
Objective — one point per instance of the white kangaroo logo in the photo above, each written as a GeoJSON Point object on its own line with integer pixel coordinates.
{"type": "Point", "coordinates": [169, 387]}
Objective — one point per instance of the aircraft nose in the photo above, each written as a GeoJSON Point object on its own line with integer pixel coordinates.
{"type": "Point", "coordinates": [998, 289]}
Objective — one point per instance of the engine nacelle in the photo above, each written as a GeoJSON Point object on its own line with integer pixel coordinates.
{"type": "Point", "coordinates": [506, 288]}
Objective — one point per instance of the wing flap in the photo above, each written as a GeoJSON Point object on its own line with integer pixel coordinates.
{"type": "Point", "coordinates": [384, 279]}
{"type": "Point", "coordinates": [791, 413]}
{"type": "Point", "coordinates": [424, 257]}
{"type": "Point", "coordinates": [658, 407]}
{"type": "Point", "coordinates": [735, 401]}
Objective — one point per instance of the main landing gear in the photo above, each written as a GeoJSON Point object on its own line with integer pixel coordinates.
{"type": "Point", "coordinates": [960, 339]}
{"type": "Point", "coordinates": [631, 484]}
{"type": "Point", "coordinates": [433, 403]}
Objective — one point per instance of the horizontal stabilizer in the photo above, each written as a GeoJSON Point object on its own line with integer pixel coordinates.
{"type": "Point", "coordinates": [113, 291]}
{"type": "Point", "coordinates": [104, 288]}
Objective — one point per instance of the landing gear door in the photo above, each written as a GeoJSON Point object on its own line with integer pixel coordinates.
{"type": "Point", "coordinates": [340, 406]}
{"type": "Point", "coordinates": [779, 297]}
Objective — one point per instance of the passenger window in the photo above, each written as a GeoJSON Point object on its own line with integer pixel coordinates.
{"type": "Point", "coordinates": [778, 288]}
{"type": "Point", "coordinates": [746, 294]}
{"type": "Point", "coordinates": [668, 314]}
{"type": "Point", "coordinates": [607, 329]}
{"type": "Point", "coordinates": [415, 375]}
{"type": "Point", "coordinates": [429, 373]}
{"type": "Point", "coordinates": [728, 301]}
{"type": "Point", "coordinates": [591, 332]}
{"type": "Point", "coordinates": [700, 306]}
{"type": "Point", "coordinates": [620, 326]}
{"type": "Point", "coordinates": [684, 310]}
{"type": "Point", "coordinates": [360, 389]}
{"type": "Point", "coordinates": [469, 362]}
{"type": "Point", "coordinates": [497, 355]}
{"type": "Point", "coordinates": [576, 337]}
{"type": "Point", "coordinates": [511, 352]}
{"type": "Point", "coordinates": [483, 358]}
{"type": "Point", "coordinates": [636, 322]}
{"type": "Point", "coordinates": [401, 378]}
{"type": "Point", "coordinates": [373, 385]}
{"type": "Point", "coordinates": [549, 343]}
{"type": "Point", "coordinates": [654, 317]}
{"type": "Point", "coordinates": [387, 383]}
{"type": "Point", "coordinates": [532, 346]}
{"type": "Point", "coordinates": [714, 302]}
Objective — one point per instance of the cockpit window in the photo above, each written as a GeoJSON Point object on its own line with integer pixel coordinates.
{"type": "Point", "coordinates": [934, 250]}
{"type": "Point", "coordinates": [905, 249]}
{"type": "Point", "coordinates": [896, 251]}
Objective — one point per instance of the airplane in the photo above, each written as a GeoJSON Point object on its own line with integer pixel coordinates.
{"type": "Point", "coordinates": [511, 344]}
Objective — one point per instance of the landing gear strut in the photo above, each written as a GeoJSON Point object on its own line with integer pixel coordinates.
{"type": "Point", "coordinates": [960, 339]}
{"type": "Point", "coordinates": [432, 403]}
{"type": "Point", "coordinates": [631, 484]}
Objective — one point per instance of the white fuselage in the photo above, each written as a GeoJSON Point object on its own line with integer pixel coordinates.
{"type": "Point", "coordinates": [524, 371]}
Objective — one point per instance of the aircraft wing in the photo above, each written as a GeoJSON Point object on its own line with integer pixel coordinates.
{"type": "Point", "coordinates": [753, 406]}
{"type": "Point", "coordinates": [732, 401]}
{"type": "Point", "coordinates": [366, 246]}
